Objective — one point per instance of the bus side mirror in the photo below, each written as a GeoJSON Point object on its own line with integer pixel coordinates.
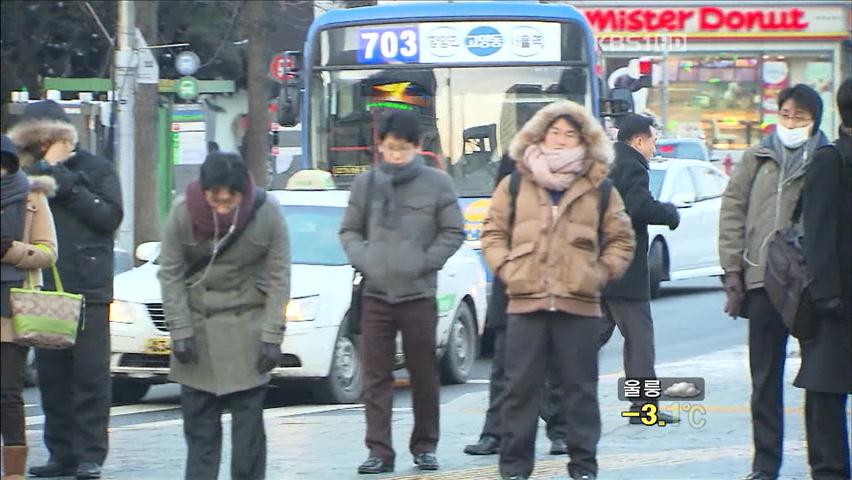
{"type": "Point", "coordinates": [619, 103]}
{"type": "Point", "coordinates": [288, 98]}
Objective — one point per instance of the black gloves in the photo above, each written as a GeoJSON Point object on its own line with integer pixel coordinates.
{"type": "Point", "coordinates": [65, 180]}
{"type": "Point", "coordinates": [5, 245]}
{"type": "Point", "coordinates": [673, 214]}
{"type": "Point", "coordinates": [270, 355]}
{"type": "Point", "coordinates": [831, 307]}
{"type": "Point", "coordinates": [184, 351]}
{"type": "Point", "coordinates": [735, 293]}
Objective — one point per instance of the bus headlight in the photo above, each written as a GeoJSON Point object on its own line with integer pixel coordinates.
{"type": "Point", "coordinates": [302, 309]}
{"type": "Point", "coordinates": [125, 312]}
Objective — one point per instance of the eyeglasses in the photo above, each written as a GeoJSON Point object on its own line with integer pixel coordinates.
{"type": "Point", "coordinates": [797, 119]}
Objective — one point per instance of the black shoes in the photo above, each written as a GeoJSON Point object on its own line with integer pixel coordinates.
{"type": "Point", "coordinates": [53, 469]}
{"type": "Point", "coordinates": [487, 445]}
{"type": "Point", "coordinates": [661, 416]}
{"type": "Point", "coordinates": [513, 477]}
{"type": "Point", "coordinates": [426, 461]}
{"type": "Point", "coordinates": [88, 471]}
{"type": "Point", "coordinates": [375, 465]}
{"type": "Point", "coordinates": [759, 475]}
{"type": "Point", "coordinates": [558, 447]}
{"type": "Point", "coordinates": [581, 475]}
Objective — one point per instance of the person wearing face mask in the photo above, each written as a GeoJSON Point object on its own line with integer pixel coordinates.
{"type": "Point", "coordinates": [225, 280]}
{"type": "Point", "coordinates": [554, 247]}
{"type": "Point", "coordinates": [402, 224]}
{"type": "Point", "coordinates": [626, 302]}
{"type": "Point", "coordinates": [87, 211]}
{"type": "Point", "coordinates": [760, 198]}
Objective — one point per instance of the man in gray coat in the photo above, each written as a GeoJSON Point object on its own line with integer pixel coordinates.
{"type": "Point", "coordinates": [402, 224]}
{"type": "Point", "coordinates": [225, 278]}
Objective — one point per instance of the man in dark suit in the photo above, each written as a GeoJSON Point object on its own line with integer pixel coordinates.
{"type": "Point", "coordinates": [626, 302]}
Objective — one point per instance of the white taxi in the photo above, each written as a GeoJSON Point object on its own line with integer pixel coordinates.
{"type": "Point", "coordinates": [695, 187]}
{"type": "Point", "coordinates": [316, 346]}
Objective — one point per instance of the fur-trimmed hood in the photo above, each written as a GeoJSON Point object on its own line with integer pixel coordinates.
{"type": "Point", "coordinates": [32, 136]}
{"type": "Point", "coordinates": [598, 146]}
{"type": "Point", "coordinates": [43, 184]}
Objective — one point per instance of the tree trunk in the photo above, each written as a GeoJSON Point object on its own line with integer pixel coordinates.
{"type": "Point", "coordinates": [146, 213]}
{"type": "Point", "coordinates": [257, 135]}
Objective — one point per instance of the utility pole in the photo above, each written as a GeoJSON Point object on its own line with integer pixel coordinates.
{"type": "Point", "coordinates": [125, 86]}
{"type": "Point", "coordinates": [146, 214]}
{"type": "Point", "coordinates": [257, 134]}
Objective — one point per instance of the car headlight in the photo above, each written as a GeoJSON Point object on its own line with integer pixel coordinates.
{"type": "Point", "coordinates": [302, 309]}
{"type": "Point", "coordinates": [125, 312]}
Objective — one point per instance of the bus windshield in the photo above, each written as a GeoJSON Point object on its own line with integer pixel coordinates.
{"type": "Point", "coordinates": [469, 108]}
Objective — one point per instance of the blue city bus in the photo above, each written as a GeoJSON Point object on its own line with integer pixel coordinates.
{"type": "Point", "coordinates": [473, 72]}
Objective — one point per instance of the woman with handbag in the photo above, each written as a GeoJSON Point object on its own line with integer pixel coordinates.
{"type": "Point", "coordinates": [28, 245]}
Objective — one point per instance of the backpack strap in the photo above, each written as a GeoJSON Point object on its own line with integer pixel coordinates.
{"type": "Point", "coordinates": [605, 189]}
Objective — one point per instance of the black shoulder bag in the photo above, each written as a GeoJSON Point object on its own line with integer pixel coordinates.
{"type": "Point", "coordinates": [355, 303]}
{"type": "Point", "coordinates": [201, 263]}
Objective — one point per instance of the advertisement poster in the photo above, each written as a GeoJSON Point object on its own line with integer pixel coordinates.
{"type": "Point", "coordinates": [775, 77]}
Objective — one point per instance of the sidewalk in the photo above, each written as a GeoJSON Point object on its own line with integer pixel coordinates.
{"type": "Point", "coordinates": [325, 442]}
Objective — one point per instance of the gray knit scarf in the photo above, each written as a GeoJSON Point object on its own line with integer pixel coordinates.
{"type": "Point", "coordinates": [388, 176]}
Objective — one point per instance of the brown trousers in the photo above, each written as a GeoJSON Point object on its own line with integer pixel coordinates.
{"type": "Point", "coordinates": [417, 320]}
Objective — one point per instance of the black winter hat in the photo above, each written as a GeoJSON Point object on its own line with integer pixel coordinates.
{"type": "Point", "coordinates": [45, 109]}
{"type": "Point", "coordinates": [9, 147]}
{"type": "Point", "coordinates": [805, 97]}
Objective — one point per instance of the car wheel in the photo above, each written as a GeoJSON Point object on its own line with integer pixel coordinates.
{"type": "Point", "coordinates": [343, 383]}
{"type": "Point", "coordinates": [126, 390]}
{"type": "Point", "coordinates": [460, 354]}
{"type": "Point", "coordinates": [656, 266]}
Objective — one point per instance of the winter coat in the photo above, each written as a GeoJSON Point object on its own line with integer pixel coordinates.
{"type": "Point", "coordinates": [759, 199]}
{"type": "Point", "coordinates": [38, 230]}
{"type": "Point", "coordinates": [552, 258]}
{"type": "Point", "coordinates": [630, 177]}
{"type": "Point", "coordinates": [401, 264]}
{"type": "Point", "coordinates": [87, 210]}
{"type": "Point", "coordinates": [827, 224]}
{"type": "Point", "coordinates": [239, 304]}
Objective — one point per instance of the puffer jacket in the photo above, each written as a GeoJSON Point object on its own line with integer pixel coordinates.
{"type": "Point", "coordinates": [552, 257]}
{"type": "Point", "coordinates": [759, 199]}
{"type": "Point", "coordinates": [38, 230]}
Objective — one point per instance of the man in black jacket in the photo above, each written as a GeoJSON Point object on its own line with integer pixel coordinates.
{"type": "Point", "coordinates": [87, 210]}
{"type": "Point", "coordinates": [626, 302]}
{"type": "Point", "coordinates": [826, 371]}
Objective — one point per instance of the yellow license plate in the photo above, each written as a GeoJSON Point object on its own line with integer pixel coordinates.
{"type": "Point", "coordinates": [157, 346]}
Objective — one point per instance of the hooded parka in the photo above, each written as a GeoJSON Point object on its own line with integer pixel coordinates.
{"type": "Point", "coordinates": [552, 258]}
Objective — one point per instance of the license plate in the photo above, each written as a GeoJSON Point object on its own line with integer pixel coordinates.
{"type": "Point", "coordinates": [157, 346]}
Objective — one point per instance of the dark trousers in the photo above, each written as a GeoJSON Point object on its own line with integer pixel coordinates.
{"type": "Point", "coordinates": [417, 320]}
{"type": "Point", "coordinates": [767, 345]}
{"type": "Point", "coordinates": [633, 318]}
{"type": "Point", "coordinates": [551, 411]}
{"type": "Point", "coordinates": [532, 341]}
{"type": "Point", "coordinates": [828, 437]}
{"type": "Point", "coordinates": [13, 359]}
{"type": "Point", "coordinates": [202, 429]}
{"type": "Point", "coordinates": [75, 393]}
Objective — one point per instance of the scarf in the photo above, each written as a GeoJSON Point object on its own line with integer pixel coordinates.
{"type": "Point", "coordinates": [555, 170]}
{"type": "Point", "coordinates": [385, 178]}
{"type": "Point", "coordinates": [14, 188]}
{"type": "Point", "coordinates": [201, 215]}
{"type": "Point", "coordinates": [796, 159]}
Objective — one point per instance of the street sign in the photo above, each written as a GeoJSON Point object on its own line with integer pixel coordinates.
{"type": "Point", "coordinates": [278, 68]}
{"type": "Point", "coordinates": [187, 63]}
{"type": "Point", "coordinates": [187, 88]}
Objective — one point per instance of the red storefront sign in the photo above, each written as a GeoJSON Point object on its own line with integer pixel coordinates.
{"type": "Point", "coordinates": [712, 22]}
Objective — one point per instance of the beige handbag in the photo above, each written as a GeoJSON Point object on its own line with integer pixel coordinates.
{"type": "Point", "coordinates": [45, 319]}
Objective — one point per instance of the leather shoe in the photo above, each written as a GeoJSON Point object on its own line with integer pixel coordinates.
{"type": "Point", "coordinates": [759, 475]}
{"type": "Point", "coordinates": [426, 461]}
{"type": "Point", "coordinates": [558, 447]}
{"type": "Point", "coordinates": [88, 471]}
{"type": "Point", "coordinates": [661, 416]}
{"type": "Point", "coordinates": [581, 475]}
{"type": "Point", "coordinates": [513, 477]}
{"type": "Point", "coordinates": [53, 469]}
{"type": "Point", "coordinates": [487, 445]}
{"type": "Point", "coordinates": [375, 465]}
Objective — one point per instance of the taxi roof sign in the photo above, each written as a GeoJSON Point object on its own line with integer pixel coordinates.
{"type": "Point", "coordinates": [311, 180]}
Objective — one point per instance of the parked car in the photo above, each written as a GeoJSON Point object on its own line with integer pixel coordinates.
{"type": "Point", "coordinates": [680, 148]}
{"type": "Point", "coordinates": [317, 346]}
{"type": "Point", "coordinates": [691, 250]}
